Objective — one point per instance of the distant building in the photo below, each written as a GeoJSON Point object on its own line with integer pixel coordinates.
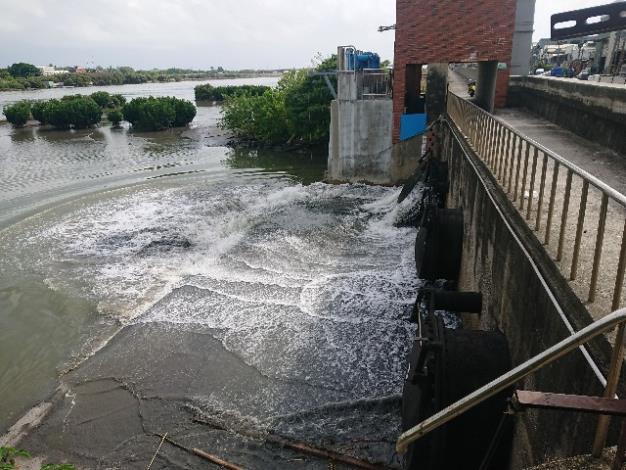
{"type": "Point", "coordinates": [48, 70]}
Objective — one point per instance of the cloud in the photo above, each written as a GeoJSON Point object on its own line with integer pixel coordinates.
{"type": "Point", "coordinates": [201, 33]}
{"type": "Point", "coordinates": [189, 33]}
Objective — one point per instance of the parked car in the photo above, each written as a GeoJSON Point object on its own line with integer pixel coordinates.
{"type": "Point", "coordinates": [559, 72]}
{"type": "Point", "coordinates": [540, 71]}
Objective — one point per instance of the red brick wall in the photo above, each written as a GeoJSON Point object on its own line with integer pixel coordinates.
{"type": "Point", "coordinates": [434, 31]}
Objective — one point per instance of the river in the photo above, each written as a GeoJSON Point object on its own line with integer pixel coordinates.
{"type": "Point", "coordinates": [169, 283]}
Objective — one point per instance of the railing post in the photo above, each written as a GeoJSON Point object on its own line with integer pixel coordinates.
{"type": "Point", "coordinates": [579, 229]}
{"type": "Point", "coordinates": [526, 158]}
{"type": "Point", "coordinates": [503, 154]}
{"type": "Point", "coordinates": [542, 188]}
{"type": "Point", "coordinates": [555, 177]}
{"type": "Point", "coordinates": [512, 139]}
{"type": "Point", "coordinates": [518, 161]}
{"type": "Point", "coordinates": [532, 182]}
{"type": "Point", "coordinates": [597, 256]}
{"type": "Point", "coordinates": [619, 277]}
{"type": "Point", "coordinates": [612, 381]}
{"type": "Point", "coordinates": [566, 198]}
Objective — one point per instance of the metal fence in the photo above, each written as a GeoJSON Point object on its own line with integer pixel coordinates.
{"type": "Point", "coordinates": [579, 219]}
{"type": "Point", "coordinates": [373, 83]}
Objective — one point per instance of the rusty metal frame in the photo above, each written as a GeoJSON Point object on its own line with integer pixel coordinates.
{"type": "Point", "coordinates": [523, 399]}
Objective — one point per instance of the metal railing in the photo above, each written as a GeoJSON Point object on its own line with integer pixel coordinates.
{"type": "Point", "coordinates": [373, 83]}
{"type": "Point", "coordinates": [548, 191]}
{"type": "Point", "coordinates": [510, 378]}
{"type": "Point", "coordinates": [553, 196]}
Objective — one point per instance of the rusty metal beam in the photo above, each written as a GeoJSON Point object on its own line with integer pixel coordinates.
{"type": "Point", "coordinates": [588, 21]}
{"type": "Point", "coordinates": [523, 399]}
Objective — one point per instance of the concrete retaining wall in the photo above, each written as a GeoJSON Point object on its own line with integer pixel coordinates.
{"type": "Point", "coordinates": [516, 303]}
{"type": "Point", "coordinates": [360, 141]}
{"type": "Point", "coordinates": [591, 110]}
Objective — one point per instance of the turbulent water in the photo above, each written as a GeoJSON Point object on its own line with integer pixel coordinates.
{"type": "Point", "coordinates": [230, 283]}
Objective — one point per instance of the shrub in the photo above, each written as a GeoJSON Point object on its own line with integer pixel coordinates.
{"type": "Point", "coordinates": [297, 110]}
{"type": "Point", "coordinates": [115, 116]}
{"type": "Point", "coordinates": [259, 118]}
{"type": "Point", "coordinates": [153, 114]}
{"type": "Point", "coordinates": [106, 100]}
{"type": "Point", "coordinates": [72, 111]}
{"type": "Point", "coordinates": [207, 92]}
{"type": "Point", "coordinates": [185, 112]}
{"type": "Point", "coordinates": [38, 111]}
{"type": "Point", "coordinates": [117, 101]}
{"type": "Point", "coordinates": [77, 80]}
{"type": "Point", "coordinates": [102, 98]}
{"type": "Point", "coordinates": [18, 113]}
{"type": "Point", "coordinates": [54, 466]}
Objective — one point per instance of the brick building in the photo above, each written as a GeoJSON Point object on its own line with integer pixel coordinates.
{"type": "Point", "coordinates": [449, 31]}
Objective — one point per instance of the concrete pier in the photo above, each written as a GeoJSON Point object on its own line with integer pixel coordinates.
{"type": "Point", "coordinates": [360, 135]}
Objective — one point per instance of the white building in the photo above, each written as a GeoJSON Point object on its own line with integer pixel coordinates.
{"type": "Point", "coordinates": [47, 70]}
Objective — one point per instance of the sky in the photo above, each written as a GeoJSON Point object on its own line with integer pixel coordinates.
{"type": "Point", "coordinates": [199, 34]}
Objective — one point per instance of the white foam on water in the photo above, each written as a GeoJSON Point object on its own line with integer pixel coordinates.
{"type": "Point", "coordinates": [308, 283]}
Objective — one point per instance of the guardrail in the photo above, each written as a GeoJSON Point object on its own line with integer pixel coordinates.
{"type": "Point", "coordinates": [373, 83]}
{"type": "Point", "coordinates": [538, 180]}
{"type": "Point", "coordinates": [554, 197]}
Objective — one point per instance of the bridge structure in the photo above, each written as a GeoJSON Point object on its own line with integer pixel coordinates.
{"type": "Point", "coordinates": [544, 219]}
{"type": "Point", "coordinates": [545, 244]}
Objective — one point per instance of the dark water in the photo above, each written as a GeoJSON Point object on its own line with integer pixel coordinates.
{"type": "Point", "coordinates": [229, 286]}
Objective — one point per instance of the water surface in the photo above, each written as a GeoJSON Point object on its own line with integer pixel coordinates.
{"type": "Point", "coordinates": [112, 239]}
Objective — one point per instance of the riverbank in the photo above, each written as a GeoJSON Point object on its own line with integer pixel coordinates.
{"type": "Point", "coordinates": [205, 78]}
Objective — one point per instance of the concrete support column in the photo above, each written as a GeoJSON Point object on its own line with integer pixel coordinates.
{"type": "Point", "coordinates": [436, 90]}
{"type": "Point", "coordinates": [522, 39]}
{"type": "Point", "coordinates": [486, 85]}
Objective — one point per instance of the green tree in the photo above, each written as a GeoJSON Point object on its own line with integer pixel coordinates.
{"type": "Point", "coordinates": [153, 114]}
{"type": "Point", "coordinates": [38, 111]}
{"type": "Point", "coordinates": [24, 70]}
{"type": "Point", "coordinates": [149, 114]}
{"type": "Point", "coordinates": [260, 118]}
{"type": "Point", "coordinates": [18, 114]}
{"type": "Point", "coordinates": [72, 111]}
{"type": "Point", "coordinates": [115, 116]}
{"type": "Point", "coordinates": [298, 110]}
{"type": "Point", "coordinates": [102, 98]}
{"type": "Point", "coordinates": [184, 110]}
{"type": "Point", "coordinates": [207, 92]}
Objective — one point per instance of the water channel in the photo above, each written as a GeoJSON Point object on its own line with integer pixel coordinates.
{"type": "Point", "coordinates": [201, 284]}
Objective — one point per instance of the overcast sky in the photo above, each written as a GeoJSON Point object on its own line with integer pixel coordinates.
{"type": "Point", "coordinates": [203, 33]}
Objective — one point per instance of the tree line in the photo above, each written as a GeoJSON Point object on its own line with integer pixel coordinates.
{"type": "Point", "coordinates": [22, 76]}
{"type": "Point", "coordinates": [210, 93]}
{"type": "Point", "coordinates": [82, 111]}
